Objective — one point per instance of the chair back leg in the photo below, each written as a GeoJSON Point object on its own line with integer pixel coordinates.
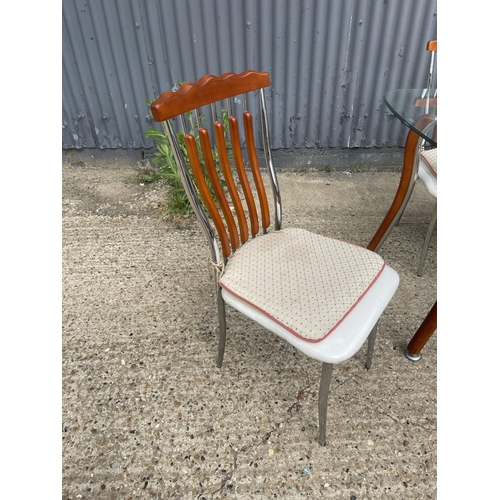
{"type": "Point", "coordinates": [324, 389]}
{"type": "Point", "coordinates": [405, 202]}
{"type": "Point", "coordinates": [428, 236]}
{"type": "Point", "coordinates": [371, 346]}
{"type": "Point", "coordinates": [221, 307]}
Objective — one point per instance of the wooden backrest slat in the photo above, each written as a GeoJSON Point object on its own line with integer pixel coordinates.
{"type": "Point", "coordinates": [228, 176]}
{"type": "Point", "coordinates": [215, 189]}
{"type": "Point", "coordinates": [234, 135]}
{"type": "Point", "coordinates": [205, 91]}
{"type": "Point", "coordinates": [254, 165]}
{"type": "Point", "coordinates": [192, 152]}
{"type": "Point", "coordinates": [216, 185]}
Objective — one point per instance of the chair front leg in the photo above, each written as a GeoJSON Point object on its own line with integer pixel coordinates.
{"type": "Point", "coordinates": [324, 389]}
{"type": "Point", "coordinates": [405, 202]}
{"type": "Point", "coordinates": [221, 307]}
{"type": "Point", "coordinates": [371, 346]}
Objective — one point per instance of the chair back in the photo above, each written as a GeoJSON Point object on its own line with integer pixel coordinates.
{"type": "Point", "coordinates": [208, 170]}
{"type": "Point", "coordinates": [432, 48]}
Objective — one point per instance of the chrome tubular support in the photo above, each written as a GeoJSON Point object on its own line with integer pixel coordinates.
{"type": "Point", "coordinates": [324, 389]}
{"type": "Point", "coordinates": [221, 307]}
{"type": "Point", "coordinates": [397, 220]}
{"type": "Point", "coordinates": [425, 131]}
{"type": "Point", "coordinates": [198, 119]}
{"type": "Point", "coordinates": [245, 108]}
{"type": "Point", "coordinates": [429, 81]}
{"type": "Point", "coordinates": [183, 124]}
{"type": "Point", "coordinates": [428, 236]}
{"type": "Point", "coordinates": [431, 70]}
{"type": "Point", "coordinates": [269, 161]}
{"type": "Point", "coordinates": [191, 193]}
{"type": "Point", "coordinates": [214, 113]}
{"type": "Point", "coordinates": [371, 346]}
{"type": "Point", "coordinates": [229, 106]}
{"type": "Point", "coordinates": [207, 229]}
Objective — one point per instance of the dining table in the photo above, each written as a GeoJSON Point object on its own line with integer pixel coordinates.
{"type": "Point", "coordinates": [417, 109]}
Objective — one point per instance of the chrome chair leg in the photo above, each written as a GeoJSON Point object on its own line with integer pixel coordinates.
{"type": "Point", "coordinates": [397, 216]}
{"type": "Point", "coordinates": [428, 236]}
{"type": "Point", "coordinates": [221, 306]}
{"type": "Point", "coordinates": [403, 207]}
{"type": "Point", "coordinates": [324, 389]}
{"type": "Point", "coordinates": [371, 346]}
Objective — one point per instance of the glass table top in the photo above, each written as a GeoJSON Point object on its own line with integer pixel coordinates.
{"type": "Point", "coordinates": [411, 104]}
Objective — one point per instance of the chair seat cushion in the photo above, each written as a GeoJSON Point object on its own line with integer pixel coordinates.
{"type": "Point", "coordinates": [305, 282]}
{"type": "Point", "coordinates": [429, 156]}
{"type": "Point", "coordinates": [427, 170]}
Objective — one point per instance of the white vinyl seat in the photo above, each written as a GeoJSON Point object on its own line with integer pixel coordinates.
{"type": "Point", "coordinates": [344, 289]}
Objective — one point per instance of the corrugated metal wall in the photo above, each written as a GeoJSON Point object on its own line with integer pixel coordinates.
{"type": "Point", "coordinates": [330, 63]}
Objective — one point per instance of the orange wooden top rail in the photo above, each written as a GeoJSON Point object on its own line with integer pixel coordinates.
{"type": "Point", "coordinates": [206, 90]}
{"type": "Point", "coordinates": [432, 45]}
{"type": "Point", "coordinates": [422, 102]}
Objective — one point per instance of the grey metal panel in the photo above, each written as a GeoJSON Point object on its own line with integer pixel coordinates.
{"type": "Point", "coordinates": [330, 63]}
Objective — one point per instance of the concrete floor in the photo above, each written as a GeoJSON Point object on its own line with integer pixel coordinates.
{"type": "Point", "coordinates": [147, 414]}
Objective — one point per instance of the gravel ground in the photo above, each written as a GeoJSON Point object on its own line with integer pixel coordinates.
{"type": "Point", "coordinates": [147, 414]}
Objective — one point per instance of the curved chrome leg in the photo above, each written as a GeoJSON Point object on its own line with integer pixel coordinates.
{"type": "Point", "coordinates": [324, 389]}
{"type": "Point", "coordinates": [428, 236]}
{"type": "Point", "coordinates": [398, 215]}
{"type": "Point", "coordinates": [371, 346]}
{"type": "Point", "coordinates": [403, 207]}
{"type": "Point", "coordinates": [221, 306]}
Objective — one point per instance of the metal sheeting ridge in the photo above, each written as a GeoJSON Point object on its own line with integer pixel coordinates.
{"type": "Point", "coordinates": [330, 64]}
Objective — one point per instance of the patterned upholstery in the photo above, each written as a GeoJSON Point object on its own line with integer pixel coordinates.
{"type": "Point", "coordinates": [289, 275]}
{"type": "Point", "coordinates": [429, 156]}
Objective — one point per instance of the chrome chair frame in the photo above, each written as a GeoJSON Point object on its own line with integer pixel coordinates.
{"type": "Point", "coordinates": [220, 261]}
{"type": "Point", "coordinates": [202, 218]}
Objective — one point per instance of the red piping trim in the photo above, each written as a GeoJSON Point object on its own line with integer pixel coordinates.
{"type": "Point", "coordinates": [429, 165]}
{"type": "Point", "coordinates": [292, 331]}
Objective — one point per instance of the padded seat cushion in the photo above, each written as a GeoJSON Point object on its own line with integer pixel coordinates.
{"type": "Point", "coordinates": [306, 282]}
{"type": "Point", "coordinates": [427, 170]}
{"type": "Point", "coordinates": [429, 156]}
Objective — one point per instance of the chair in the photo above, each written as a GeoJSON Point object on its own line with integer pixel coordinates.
{"type": "Point", "coordinates": [426, 159]}
{"type": "Point", "coordinates": [323, 296]}
{"type": "Point", "coordinates": [432, 48]}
